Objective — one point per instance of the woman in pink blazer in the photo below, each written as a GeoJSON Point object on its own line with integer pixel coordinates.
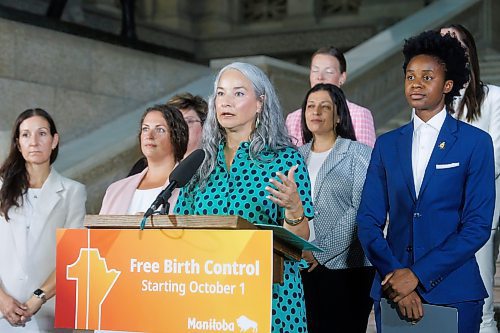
{"type": "Point", "coordinates": [163, 138]}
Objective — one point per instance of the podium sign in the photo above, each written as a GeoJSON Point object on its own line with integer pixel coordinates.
{"type": "Point", "coordinates": [160, 280]}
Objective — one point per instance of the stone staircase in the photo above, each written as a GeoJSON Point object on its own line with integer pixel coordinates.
{"type": "Point", "coordinates": [95, 91]}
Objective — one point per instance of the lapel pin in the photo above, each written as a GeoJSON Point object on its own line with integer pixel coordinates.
{"type": "Point", "coordinates": [442, 145]}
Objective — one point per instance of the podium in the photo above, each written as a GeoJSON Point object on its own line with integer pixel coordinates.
{"type": "Point", "coordinates": [282, 249]}
{"type": "Point", "coordinates": [218, 265]}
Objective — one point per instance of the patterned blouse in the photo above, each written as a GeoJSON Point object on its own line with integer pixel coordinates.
{"type": "Point", "coordinates": [241, 191]}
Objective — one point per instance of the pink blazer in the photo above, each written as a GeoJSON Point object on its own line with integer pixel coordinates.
{"type": "Point", "coordinates": [119, 195]}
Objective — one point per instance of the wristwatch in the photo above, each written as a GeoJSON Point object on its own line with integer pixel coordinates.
{"type": "Point", "coordinates": [40, 294]}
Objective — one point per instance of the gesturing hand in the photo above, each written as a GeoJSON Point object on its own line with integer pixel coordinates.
{"type": "Point", "coordinates": [286, 194]}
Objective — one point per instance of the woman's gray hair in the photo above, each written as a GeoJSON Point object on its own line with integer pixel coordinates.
{"type": "Point", "coordinates": [270, 135]}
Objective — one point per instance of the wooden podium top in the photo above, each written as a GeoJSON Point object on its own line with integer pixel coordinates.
{"type": "Point", "coordinates": [168, 222]}
{"type": "Point", "coordinates": [282, 249]}
{"type": "Point", "coordinates": [186, 222]}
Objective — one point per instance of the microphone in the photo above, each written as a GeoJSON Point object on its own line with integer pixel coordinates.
{"type": "Point", "coordinates": [179, 177]}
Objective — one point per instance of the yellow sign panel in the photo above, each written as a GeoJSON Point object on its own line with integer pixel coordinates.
{"type": "Point", "coordinates": [164, 280]}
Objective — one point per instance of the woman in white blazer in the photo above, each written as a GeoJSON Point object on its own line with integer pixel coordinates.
{"type": "Point", "coordinates": [479, 105]}
{"type": "Point", "coordinates": [341, 276]}
{"type": "Point", "coordinates": [34, 201]}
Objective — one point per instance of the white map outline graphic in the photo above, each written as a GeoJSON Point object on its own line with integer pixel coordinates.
{"type": "Point", "coordinates": [89, 251]}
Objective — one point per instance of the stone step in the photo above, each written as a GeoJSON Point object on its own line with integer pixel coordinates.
{"type": "Point", "coordinates": [489, 54]}
{"type": "Point", "coordinates": [496, 293]}
{"type": "Point", "coordinates": [497, 276]}
{"type": "Point", "coordinates": [495, 80]}
{"type": "Point", "coordinates": [490, 67]}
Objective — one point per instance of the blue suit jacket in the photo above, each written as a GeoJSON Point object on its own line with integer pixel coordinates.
{"type": "Point", "coordinates": [436, 235]}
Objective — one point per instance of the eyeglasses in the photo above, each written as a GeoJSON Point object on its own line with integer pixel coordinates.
{"type": "Point", "coordinates": [191, 121]}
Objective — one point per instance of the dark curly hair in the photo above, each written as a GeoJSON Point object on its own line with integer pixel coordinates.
{"type": "Point", "coordinates": [344, 128]}
{"type": "Point", "coordinates": [179, 132]}
{"type": "Point", "coordinates": [448, 51]}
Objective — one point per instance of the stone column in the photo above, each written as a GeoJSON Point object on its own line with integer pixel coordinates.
{"type": "Point", "coordinates": [300, 13]}
{"type": "Point", "coordinates": [212, 17]}
{"type": "Point", "coordinates": [170, 14]}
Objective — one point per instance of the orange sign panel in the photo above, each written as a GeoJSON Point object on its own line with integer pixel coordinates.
{"type": "Point", "coordinates": [164, 280]}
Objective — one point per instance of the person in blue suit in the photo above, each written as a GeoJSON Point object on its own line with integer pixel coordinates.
{"type": "Point", "coordinates": [434, 180]}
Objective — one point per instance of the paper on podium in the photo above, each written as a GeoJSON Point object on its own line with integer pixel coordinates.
{"type": "Point", "coordinates": [290, 237]}
{"type": "Point", "coordinates": [437, 319]}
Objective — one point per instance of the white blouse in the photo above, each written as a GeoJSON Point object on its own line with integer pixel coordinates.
{"type": "Point", "coordinates": [142, 200]}
{"type": "Point", "coordinates": [314, 163]}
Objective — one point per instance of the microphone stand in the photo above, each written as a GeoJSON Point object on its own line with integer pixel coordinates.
{"type": "Point", "coordinates": [179, 177]}
{"type": "Point", "coordinates": [167, 193]}
{"type": "Point", "coordinates": [161, 201]}
{"type": "Point", "coordinates": [165, 208]}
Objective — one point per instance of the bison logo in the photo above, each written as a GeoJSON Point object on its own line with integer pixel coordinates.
{"type": "Point", "coordinates": [246, 325]}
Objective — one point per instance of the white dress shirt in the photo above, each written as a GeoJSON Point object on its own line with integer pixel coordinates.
{"type": "Point", "coordinates": [425, 135]}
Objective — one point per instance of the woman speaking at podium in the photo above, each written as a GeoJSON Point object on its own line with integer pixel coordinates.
{"type": "Point", "coordinates": [34, 201]}
{"type": "Point", "coordinates": [163, 138]}
{"type": "Point", "coordinates": [252, 170]}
